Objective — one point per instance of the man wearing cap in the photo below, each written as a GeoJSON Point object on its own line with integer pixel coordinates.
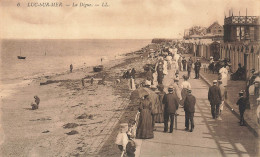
{"type": "Point", "coordinates": [197, 66]}
{"type": "Point", "coordinates": [189, 108]}
{"type": "Point", "coordinates": [214, 97]}
{"type": "Point", "coordinates": [171, 102]}
{"type": "Point", "coordinates": [242, 107]}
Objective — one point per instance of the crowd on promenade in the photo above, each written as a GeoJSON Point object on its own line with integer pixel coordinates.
{"type": "Point", "coordinates": [157, 106]}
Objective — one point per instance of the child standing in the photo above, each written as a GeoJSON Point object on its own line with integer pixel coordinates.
{"type": "Point", "coordinates": [126, 145]}
{"type": "Point", "coordinates": [242, 107]}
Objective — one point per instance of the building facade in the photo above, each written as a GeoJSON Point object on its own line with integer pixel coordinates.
{"type": "Point", "coordinates": [215, 29]}
{"type": "Point", "coordinates": [241, 28]}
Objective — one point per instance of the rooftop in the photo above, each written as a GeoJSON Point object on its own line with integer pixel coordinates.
{"type": "Point", "coordinates": [242, 20]}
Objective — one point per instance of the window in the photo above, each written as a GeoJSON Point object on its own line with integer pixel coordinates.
{"type": "Point", "coordinates": [240, 32]}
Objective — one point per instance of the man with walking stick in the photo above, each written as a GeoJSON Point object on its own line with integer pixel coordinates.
{"type": "Point", "coordinates": [171, 102]}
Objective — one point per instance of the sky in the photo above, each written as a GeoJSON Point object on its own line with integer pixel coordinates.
{"type": "Point", "coordinates": [122, 19]}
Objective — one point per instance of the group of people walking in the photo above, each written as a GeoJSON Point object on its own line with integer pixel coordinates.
{"type": "Point", "coordinates": [157, 106]}
{"type": "Point", "coordinates": [163, 107]}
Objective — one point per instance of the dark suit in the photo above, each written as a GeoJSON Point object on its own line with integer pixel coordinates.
{"type": "Point", "coordinates": [214, 97]}
{"type": "Point", "coordinates": [242, 107]}
{"type": "Point", "coordinates": [171, 102]}
{"type": "Point", "coordinates": [189, 108]}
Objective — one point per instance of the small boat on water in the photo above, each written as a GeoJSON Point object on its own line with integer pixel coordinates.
{"type": "Point", "coordinates": [21, 57]}
{"type": "Point", "coordinates": [98, 68]}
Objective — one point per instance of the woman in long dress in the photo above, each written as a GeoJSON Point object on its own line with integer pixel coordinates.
{"type": "Point", "coordinates": [145, 128]}
{"type": "Point", "coordinates": [159, 117]}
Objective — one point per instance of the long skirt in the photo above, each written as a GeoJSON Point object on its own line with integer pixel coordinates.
{"type": "Point", "coordinates": [145, 126]}
{"type": "Point", "coordinates": [159, 117]}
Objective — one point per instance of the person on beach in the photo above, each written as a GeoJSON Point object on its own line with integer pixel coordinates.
{"type": "Point", "coordinates": [159, 118]}
{"type": "Point", "coordinates": [189, 108]}
{"type": "Point", "coordinates": [171, 102]}
{"type": "Point", "coordinates": [37, 102]}
{"type": "Point", "coordinates": [92, 80]}
{"type": "Point", "coordinates": [83, 83]}
{"type": "Point", "coordinates": [223, 91]}
{"type": "Point", "coordinates": [145, 128]}
{"type": "Point", "coordinates": [197, 66]}
{"type": "Point", "coordinates": [133, 73]}
{"type": "Point", "coordinates": [242, 107]}
{"type": "Point", "coordinates": [214, 97]}
{"type": "Point", "coordinates": [71, 68]}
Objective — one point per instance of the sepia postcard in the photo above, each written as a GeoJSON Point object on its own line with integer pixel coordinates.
{"type": "Point", "coordinates": [148, 78]}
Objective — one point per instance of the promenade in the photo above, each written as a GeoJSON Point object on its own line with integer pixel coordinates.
{"type": "Point", "coordinates": [220, 137]}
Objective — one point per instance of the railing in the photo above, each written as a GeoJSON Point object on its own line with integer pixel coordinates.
{"type": "Point", "coordinates": [242, 20]}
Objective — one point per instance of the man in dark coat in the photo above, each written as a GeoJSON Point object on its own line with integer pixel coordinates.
{"type": "Point", "coordinates": [197, 66]}
{"type": "Point", "coordinates": [171, 102]}
{"type": "Point", "coordinates": [189, 108]}
{"type": "Point", "coordinates": [242, 107]}
{"type": "Point", "coordinates": [214, 97]}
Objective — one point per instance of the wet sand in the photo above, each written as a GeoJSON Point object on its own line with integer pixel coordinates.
{"type": "Point", "coordinates": [71, 120]}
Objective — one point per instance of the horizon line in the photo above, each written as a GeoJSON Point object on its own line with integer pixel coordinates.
{"type": "Point", "coordinates": [84, 38]}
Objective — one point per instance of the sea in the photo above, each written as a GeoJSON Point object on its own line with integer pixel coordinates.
{"type": "Point", "coordinates": [51, 56]}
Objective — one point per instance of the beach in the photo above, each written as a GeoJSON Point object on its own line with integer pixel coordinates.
{"type": "Point", "coordinates": [72, 120]}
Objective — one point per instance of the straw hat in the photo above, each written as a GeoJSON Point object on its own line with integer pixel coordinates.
{"type": "Point", "coordinates": [170, 88]}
